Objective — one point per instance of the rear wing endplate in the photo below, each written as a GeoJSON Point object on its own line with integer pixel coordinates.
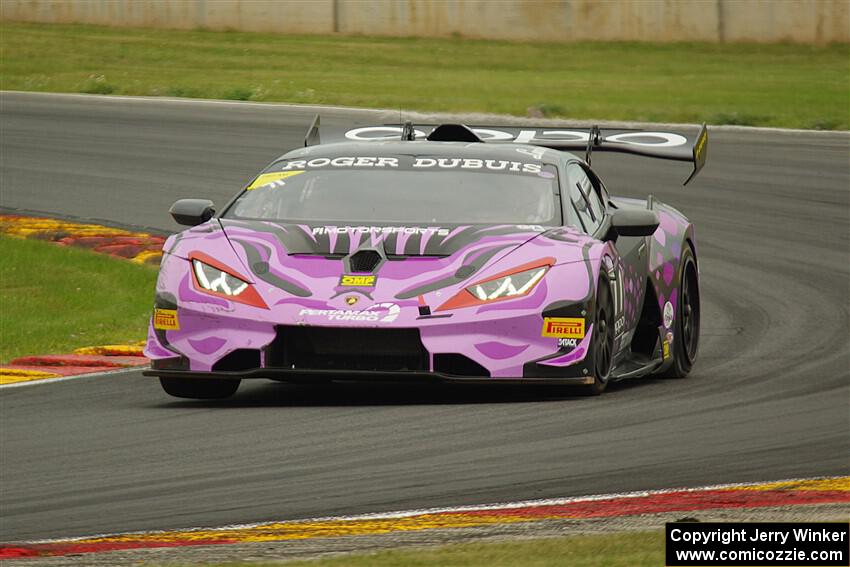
{"type": "Point", "coordinates": [312, 137]}
{"type": "Point", "coordinates": [662, 145]}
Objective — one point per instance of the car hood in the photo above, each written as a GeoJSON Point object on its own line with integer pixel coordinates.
{"type": "Point", "coordinates": [304, 266]}
{"type": "Point", "coordinates": [414, 260]}
{"type": "Point", "coordinates": [393, 241]}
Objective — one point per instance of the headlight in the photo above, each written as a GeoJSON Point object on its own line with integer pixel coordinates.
{"type": "Point", "coordinates": [506, 285]}
{"type": "Point", "coordinates": [519, 283]}
{"type": "Point", "coordinates": [214, 279]}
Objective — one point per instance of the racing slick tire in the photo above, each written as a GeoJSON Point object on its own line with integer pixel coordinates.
{"type": "Point", "coordinates": [602, 342]}
{"type": "Point", "coordinates": [199, 389]}
{"type": "Point", "coordinates": [686, 327]}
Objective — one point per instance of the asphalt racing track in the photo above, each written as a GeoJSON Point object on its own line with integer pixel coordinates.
{"type": "Point", "coordinates": [769, 397]}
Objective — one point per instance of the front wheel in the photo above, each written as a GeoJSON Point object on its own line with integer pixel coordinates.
{"type": "Point", "coordinates": [199, 389]}
{"type": "Point", "coordinates": [686, 327]}
{"type": "Point", "coordinates": [602, 341]}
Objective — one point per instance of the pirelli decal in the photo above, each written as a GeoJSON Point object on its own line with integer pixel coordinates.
{"type": "Point", "coordinates": [165, 319]}
{"type": "Point", "coordinates": [349, 280]}
{"type": "Point", "coordinates": [563, 327]}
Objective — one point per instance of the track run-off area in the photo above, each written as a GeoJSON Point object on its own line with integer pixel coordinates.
{"type": "Point", "coordinates": [769, 397]}
{"type": "Point", "coordinates": [725, 498]}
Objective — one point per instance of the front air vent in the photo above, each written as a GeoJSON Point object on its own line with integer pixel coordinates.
{"type": "Point", "coordinates": [364, 261]}
{"type": "Point", "coordinates": [347, 349]}
{"type": "Point", "coordinates": [455, 364]}
{"type": "Point", "coordinates": [239, 359]}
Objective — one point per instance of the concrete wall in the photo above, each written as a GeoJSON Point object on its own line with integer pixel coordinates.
{"type": "Point", "coordinates": [804, 21]}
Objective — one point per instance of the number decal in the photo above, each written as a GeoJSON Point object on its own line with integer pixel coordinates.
{"type": "Point", "coordinates": [616, 275]}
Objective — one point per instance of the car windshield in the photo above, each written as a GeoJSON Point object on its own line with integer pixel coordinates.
{"type": "Point", "coordinates": [403, 189]}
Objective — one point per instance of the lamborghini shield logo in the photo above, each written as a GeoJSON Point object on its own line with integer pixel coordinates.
{"type": "Point", "coordinates": [351, 299]}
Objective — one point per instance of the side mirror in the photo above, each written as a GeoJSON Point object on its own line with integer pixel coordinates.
{"type": "Point", "coordinates": [633, 222]}
{"type": "Point", "coordinates": [192, 212]}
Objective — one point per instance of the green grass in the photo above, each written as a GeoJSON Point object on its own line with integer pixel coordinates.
{"type": "Point", "coordinates": [752, 84]}
{"type": "Point", "coordinates": [598, 550]}
{"type": "Point", "coordinates": [54, 299]}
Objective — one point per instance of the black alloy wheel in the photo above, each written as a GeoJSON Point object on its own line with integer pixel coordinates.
{"type": "Point", "coordinates": [690, 313]}
{"type": "Point", "coordinates": [686, 328]}
{"type": "Point", "coordinates": [602, 349]}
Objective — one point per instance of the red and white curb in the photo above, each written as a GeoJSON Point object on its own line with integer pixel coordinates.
{"type": "Point", "coordinates": [823, 490]}
{"type": "Point", "coordinates": [87, 361]}
{"type": "Point", "coordinates": [138, 247]}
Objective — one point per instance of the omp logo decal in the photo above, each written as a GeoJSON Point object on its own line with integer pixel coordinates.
{"type": "Point", "coordinates": [271, 178]}
{"type": "Point", "coordinates": [165, 319]}
{"type": "Point", "coordinates": [348, 280]}
{"type": "Point", "coordinates": [830, 490]}
{"type": "Point", "coordinates": [563, 327]}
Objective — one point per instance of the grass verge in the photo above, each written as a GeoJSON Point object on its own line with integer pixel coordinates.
{"type": "Point", "coordinates": [54, 299]}
{"type": "Point", "coordinates": [748, 84]}
{"type": "Point", "coordinates": [642, 549]}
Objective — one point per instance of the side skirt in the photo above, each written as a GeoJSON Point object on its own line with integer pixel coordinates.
{"type": "Point", "coordinates": [635, 365]}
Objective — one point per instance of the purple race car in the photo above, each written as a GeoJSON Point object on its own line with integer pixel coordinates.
{"type": "Point", "coordinates": [448, 252]}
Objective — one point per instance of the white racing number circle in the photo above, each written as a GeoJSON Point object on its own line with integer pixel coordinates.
{"type": "Point", "coordinates": [668, 140]}
{"type": "Point", "coordinates": [377, 133]}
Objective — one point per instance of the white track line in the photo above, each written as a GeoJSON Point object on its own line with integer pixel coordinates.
{"type": "Point", "coordinates": [474, 118]}
{"type": "Point", "coordinates": [453, 509]}
{"type": "Point", "coordinates": [39, 381]}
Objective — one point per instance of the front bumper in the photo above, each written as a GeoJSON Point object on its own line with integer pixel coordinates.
{"type": "Point", "coordinates": [497, 345]}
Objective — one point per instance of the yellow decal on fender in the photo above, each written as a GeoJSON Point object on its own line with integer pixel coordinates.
{"type": "Point", "coordinates": [165, 319]}
{"type": "Point", "coordinates": [357, 281]}
{"type": "Point", "coordinates": [267, 178]}
{"type": "Point", "coordinates": [563, 327]}
{"type": "Point", "coordinates": [665, 350]}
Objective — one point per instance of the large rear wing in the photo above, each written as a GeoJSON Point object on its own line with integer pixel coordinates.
{"type": "Point", "coordinates": [657, 144]}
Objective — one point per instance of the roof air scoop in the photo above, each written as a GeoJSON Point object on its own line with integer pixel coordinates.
{"type": "Point", "coordinates": [453, 133]}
